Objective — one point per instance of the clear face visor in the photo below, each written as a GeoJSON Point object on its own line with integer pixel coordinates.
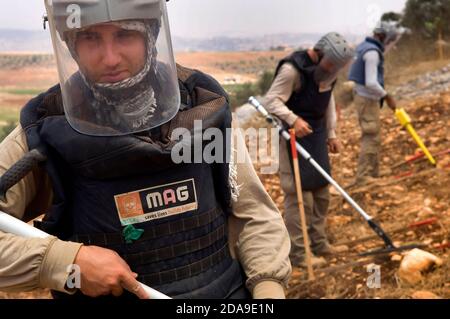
{"type": "Point", "coordinates": [328, 70]}
{"type": "Point", "coordinates": [117, 77]}
{"type": "Point", "coordinates": [390, 41]}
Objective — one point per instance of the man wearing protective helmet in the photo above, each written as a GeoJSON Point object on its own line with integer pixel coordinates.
{"type": "Point", "coordinates": [368, 74]}
{"type": "Point", "coordinates": [117, 203]}
{"type": "Point", "coordinates": [302, 96]}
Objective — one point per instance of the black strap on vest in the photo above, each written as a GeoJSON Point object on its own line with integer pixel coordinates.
{"type": "Point", "coordinates": [158, 231]}
{"type": "Point", "coordinates": [185, 247]}
{"type": "Point", "coordinates": [188, 271]}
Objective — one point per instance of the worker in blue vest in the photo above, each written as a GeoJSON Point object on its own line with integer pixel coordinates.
{"type": "Point", "coordinates": [368, 74]}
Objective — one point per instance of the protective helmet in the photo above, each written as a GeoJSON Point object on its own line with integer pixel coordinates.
{"type": "Point", "coordinates": [116, 65]}
{"type": "Point", "coordinates": [335, 54]}
{"type": "Point", "coordinates": [389, 30]}
{"type": "Point", "coordinates": [69, 14]}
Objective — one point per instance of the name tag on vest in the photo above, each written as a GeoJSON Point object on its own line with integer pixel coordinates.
{"type": "Point", "coordinates": [156, 202]}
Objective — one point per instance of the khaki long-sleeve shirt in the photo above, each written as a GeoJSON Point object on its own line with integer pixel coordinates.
{"type": "Point", "coordinates": [286, 82]}
{"type": "Point", "coordinates": [258, 237]}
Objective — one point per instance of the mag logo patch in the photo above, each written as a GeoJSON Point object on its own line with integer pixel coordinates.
{"type": "Point", "coordinates": [156, 202]}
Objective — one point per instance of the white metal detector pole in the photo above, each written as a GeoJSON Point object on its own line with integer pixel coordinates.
{"type": "Point", "coordinates": [374, 225]}
{"type": "Point", "coordinates": [308, 158]}
{"type": "Point", "coordinates": [311, 160]}
{"type": "Point", "coordinates": [11, 225]}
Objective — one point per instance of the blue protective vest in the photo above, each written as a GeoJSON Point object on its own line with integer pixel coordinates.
{"type": "Point", "coordinates": [358, 69]}
{"type": "Point", "coordinates": [98, 182]}
{"type": "Point", "coordinates": [311, 105]}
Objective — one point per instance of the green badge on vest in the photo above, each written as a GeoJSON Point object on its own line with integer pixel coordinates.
{"type": "Point", "coordinates": [131, 234]}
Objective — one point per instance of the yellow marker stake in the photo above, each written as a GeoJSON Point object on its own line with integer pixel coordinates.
{"type": "Point", "coordinates": [405, 121]}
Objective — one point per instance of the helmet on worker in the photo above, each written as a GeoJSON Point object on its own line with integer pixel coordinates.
{"type": "Point", "coordinates": [335, 53]}
{"type": "Point", "coordinates": [115, 63]}
{"type": "Point", "coordinates": [387, 32]}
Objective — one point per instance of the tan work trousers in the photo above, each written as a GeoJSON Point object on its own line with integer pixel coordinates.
{"type": "Point", "coordinates": [369, 121]}
{"type": "Point", "coordinates": [316, 207]}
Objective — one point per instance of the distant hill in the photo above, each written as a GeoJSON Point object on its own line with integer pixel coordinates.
{"type": "Point", "coordinates": [39, 41]}
{"type": "Point", "coordinates": [260, 43]}
{"type": "Point", "coordinates": [25, 40]}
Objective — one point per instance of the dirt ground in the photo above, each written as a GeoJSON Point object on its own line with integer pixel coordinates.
{"type": "Point", "coordinates": [20, 72]}
{"type": "Point", "coordinates": [38, 71]}
{"type": "Point", "coordinates": [232, 67]}
{"type": "Point", "coordinates": [408, 192]}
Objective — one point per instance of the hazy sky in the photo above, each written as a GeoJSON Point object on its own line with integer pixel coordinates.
{"type": "Point", "coordinates": [204, 18]}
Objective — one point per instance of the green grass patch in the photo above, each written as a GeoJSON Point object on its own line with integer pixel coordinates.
{"type": "Point", "coordinates": [22, 91]}
{"type": "Point", "coordinates": [239, 93]}
{"type": "Point", "coordinates": [8, 120]}
{"type": "Point", "coordinates": [9, 114]}
{"type": "Point", "coordinates": [232, 87]}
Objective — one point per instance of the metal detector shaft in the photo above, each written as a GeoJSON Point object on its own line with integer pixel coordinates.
{"type": "Point", "coordinates": [11, 225]}
{"type": "Point", "coordinates": [378, 230]}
